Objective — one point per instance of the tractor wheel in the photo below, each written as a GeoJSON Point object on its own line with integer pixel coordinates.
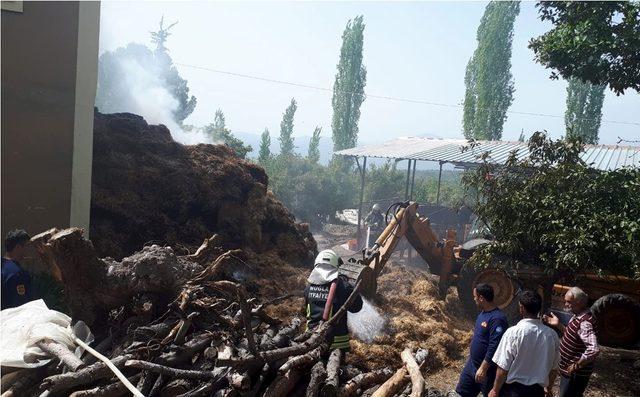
{"type": "Point", "coordinates": [618, 320]}
{"type": "Point", "coordinates": [504, 290]}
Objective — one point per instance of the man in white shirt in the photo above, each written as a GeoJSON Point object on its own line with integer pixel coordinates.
{"type": "Point", "coordinates": [528, 354]}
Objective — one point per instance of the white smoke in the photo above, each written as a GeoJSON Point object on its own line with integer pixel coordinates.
{"type": "Point", "coordinates": [366, 324]}
{"type": "Point", "coordinates": [149, 98]}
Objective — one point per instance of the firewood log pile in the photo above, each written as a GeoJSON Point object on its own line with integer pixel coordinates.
{"type": "Point", "coordinates": [195, 330]}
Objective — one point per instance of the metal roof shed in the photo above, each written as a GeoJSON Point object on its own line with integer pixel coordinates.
{"type": "Point", "coordinates": [412, 149]}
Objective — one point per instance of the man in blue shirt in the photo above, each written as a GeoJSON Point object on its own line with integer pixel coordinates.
{"type": "Point", "coordinates": [16, 282]}
{"type": "Point", "coordinates": [479, 372]}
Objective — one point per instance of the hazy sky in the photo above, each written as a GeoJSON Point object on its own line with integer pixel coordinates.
{"type": "Point", "coordinates": [413, 50]}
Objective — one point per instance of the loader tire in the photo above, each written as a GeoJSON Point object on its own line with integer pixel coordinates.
{"type": "Point", "coordinates": [504, 290]}
{"type": "Point", "coordinates": [465, 292]}
{"type": "Point", "coordinates": [618, 320]}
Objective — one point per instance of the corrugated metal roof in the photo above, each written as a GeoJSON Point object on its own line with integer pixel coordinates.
{"type": "Point", "coordinates": [399, 148]}
{"type": "Point", "coordinates": [602, 157]}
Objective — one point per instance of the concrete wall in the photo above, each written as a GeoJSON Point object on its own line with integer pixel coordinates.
{"type": "Point", "coordinates": [49, 75]}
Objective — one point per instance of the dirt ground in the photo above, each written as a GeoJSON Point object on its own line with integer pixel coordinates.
{"type": "Point", "coordinates": [416, 318]}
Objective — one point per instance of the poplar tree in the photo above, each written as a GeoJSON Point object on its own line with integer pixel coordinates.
{"type": "Point", "coordinates": [286, 129]}
{"type": "Point", "coordinates": [584, 110]}
{"type": "Point", "coordinates": [314, 146]}
{"type": "Point", "coordinates": [265, 142]}
{"type": "Point", "coordinates": [488, 79]}
{"type": "Point", "coordinates": [348, 88]}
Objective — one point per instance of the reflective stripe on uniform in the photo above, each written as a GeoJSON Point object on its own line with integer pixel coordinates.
{"type": "Point", "coordinates": [341, 345]}
{"type": "Point", "coordinates": [340, 342]}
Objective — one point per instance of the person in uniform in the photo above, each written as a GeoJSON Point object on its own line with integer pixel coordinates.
{"type": "Point", "coordinates": [16, 282]}
{"type": "Point", "coordinates": [324, 295]}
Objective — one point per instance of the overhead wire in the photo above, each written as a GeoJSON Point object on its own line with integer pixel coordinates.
{"type": "Point", "coordinates": [383, 97]}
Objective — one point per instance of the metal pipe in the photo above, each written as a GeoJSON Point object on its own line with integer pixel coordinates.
{"type": "Point", "coordinates": [439, 181]}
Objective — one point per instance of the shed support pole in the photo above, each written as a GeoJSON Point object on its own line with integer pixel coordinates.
{"type": "Point", "coordinates": [406, 189]}
{"type": "Point", "coordinates": [439, 181]}
{"type": "Point", "coordinates": [362, 174]}
{"type": "Point", "coordinates": [413, 179]}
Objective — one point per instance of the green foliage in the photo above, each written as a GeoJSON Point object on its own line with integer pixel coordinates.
{"type": "Point", "coordinates": [348, 88]}
{"type": "Point", "coordinates": [521, 137]}
{"type": "Point", "coordinates": [117, 68]}
{"type": "Point", "coordinates": [452, 192]}
{"type": "Point", "coordinates": [218, 133]}
{"type": "Point", "coordinates": [286, 129]}
{"type": "Point", "coordinates": [554, 211]}
{"type": "Point", "coordinates": [265, 142]}
{"type": "Point", "coordinates": [597, 42]}
{"type": "Point", "coordinates": [387, 183]}
{"type": "Point", "coordinates": [584, 110]}
{"type": "Point", "coordinates": [488, 79]}
{"type": "Point", "coordinates": [313, 154]}
{"type": "Point", "coordinates": [311, 191]}
{"type": "Point", "coordinates": [384, 182]}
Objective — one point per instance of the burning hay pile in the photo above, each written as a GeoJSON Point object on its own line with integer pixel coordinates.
{"type": "Point", "coordinates": [149, 189]}
{"type": "Point", "coordinates": [197, 325]}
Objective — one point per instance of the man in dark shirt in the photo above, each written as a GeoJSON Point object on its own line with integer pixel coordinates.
{"type": "Point", "coordinates": [479, 372]}
{"type": "Point", "coordinates": [16, 282]}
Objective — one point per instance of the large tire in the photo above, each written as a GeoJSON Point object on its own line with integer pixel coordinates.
{"type": "Point", "coordinates": [504, 288]}
{"type": "Point", "coordinates": [618, 320]}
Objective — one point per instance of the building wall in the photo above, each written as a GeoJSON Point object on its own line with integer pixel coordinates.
{"type": "Point", "coordinates": [49, 75]}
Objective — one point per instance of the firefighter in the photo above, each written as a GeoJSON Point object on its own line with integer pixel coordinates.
{"type": "Point", "coordinates": [324, 295]}
{"type": "Point", "coordinates": [16, 282]}
{"type": "Point", "coordinates": [375, 221]}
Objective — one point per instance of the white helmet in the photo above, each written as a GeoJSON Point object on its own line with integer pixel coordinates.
{"type": "Point", "coordinates": [325, 269]}
{"type": "Point", "coordinates": [327, 257]}
{"type": "Point", "coordinates": [376, 207]}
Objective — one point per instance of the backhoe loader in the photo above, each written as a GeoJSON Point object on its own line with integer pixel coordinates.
{"type": "Point", "coordinates": [616, 299]}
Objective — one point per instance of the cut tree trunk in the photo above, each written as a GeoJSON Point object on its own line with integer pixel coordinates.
{"type": "Point", "coordinates": [330, 386]}
{"type": "Point", "coordinates": [318, 376]}
{"type": "Point", "coordinates": [60, 351]}
{"type": "Point", "coordinates": [282, 385]}
{"type": "Point", "coordinates": [175, 372]}
{"type": "Point", "coordinates": [116, 389]}
{"type": "Point", "coordinates": [364, 381]}
{"type": "Point", "coordinates": [303, 360]}
{"type": "Point", "coordinates": [393, 385]}
{"type": "Point", "coordinates": [64, 382]}
{"type": "Point", "coordinates": [417, 381]}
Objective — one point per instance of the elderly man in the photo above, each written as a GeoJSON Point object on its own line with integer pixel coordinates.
{"type": "Point", "coordinates": [527, 356]}
{"type": "Point", "coordinates": [579, 347]}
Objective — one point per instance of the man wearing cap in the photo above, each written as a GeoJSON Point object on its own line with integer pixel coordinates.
{"type": "Point", "coordinates": [324, 295]}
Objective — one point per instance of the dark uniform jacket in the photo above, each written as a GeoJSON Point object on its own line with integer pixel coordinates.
{"type": "Point", "coordinates": [16, 284]}
{"type": "Point", "coordinates": [375, 220]}
{"type": "Point", "coordinates": [315, 297]}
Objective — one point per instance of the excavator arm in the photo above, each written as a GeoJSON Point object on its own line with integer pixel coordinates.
{"type": "Point", "coordinates": [406, 222]}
